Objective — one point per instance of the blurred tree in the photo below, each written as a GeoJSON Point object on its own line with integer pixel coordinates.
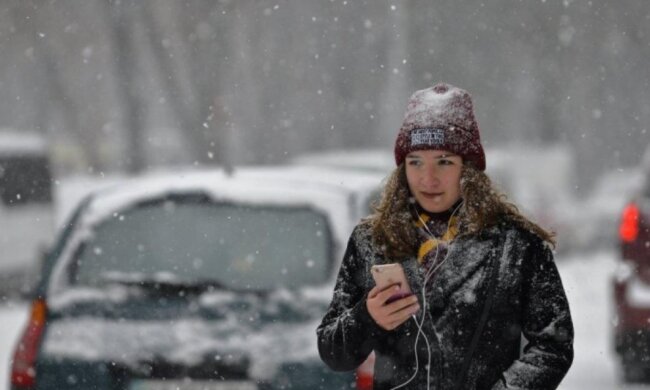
{"type": "Point", "coordinates": [139, 83]}
{"type": "Point", "coordinates": [124, 16]}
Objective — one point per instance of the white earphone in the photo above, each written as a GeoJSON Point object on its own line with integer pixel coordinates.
{"type": "Point", "coordinates": [419, 324]}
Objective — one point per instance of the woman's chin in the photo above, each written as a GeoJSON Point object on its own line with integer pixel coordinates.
{"type": "Point", "coordinates": [435, 207]}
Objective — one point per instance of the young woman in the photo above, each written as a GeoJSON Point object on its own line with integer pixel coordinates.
{"type": "Point", "coordinates": [488, 310]}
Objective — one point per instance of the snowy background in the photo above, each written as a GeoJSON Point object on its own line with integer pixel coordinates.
{"type": "Point", "coordinates": [124, 85]}
{"type": "Point", "coordinates": [561, 93]}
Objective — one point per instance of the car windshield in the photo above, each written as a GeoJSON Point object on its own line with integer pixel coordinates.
{"type": "Point", "coordinates": [197, 242]}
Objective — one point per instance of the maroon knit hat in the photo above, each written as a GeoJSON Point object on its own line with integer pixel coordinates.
{"type": "Point", "coordinates": [440, 118]}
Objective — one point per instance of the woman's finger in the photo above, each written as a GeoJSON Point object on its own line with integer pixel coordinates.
{"type": "Point", "coordinates": [373, 293]}
{"type": "Point", "coordinates": [388, 292]}
{"type": "Point", "coordinates": [401, 304]}
{"type": "Point", "coordinates": [402, 316]}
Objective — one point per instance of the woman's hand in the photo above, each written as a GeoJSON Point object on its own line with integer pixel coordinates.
{"type": "Point", "coordinates": [390, 315]}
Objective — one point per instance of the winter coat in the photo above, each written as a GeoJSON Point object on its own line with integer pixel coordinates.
{"type": "Point", "coordinates": [528, 300]}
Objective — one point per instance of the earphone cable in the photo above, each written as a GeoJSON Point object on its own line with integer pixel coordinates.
{"type": "Point", "coordinates": [420, 324]}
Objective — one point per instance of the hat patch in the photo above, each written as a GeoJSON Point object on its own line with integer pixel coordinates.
{"type": "Point", "coordinates": [429, 136]}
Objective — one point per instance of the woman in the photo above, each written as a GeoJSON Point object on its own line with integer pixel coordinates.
{"type": "Point", "coordinates": [482, 274]}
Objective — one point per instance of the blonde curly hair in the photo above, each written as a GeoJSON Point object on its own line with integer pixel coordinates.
{"type": "Point", "coordinates": [483, 206]}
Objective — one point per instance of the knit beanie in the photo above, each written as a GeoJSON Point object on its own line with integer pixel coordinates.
{"type": "Point", "coordinates": [440, 118]}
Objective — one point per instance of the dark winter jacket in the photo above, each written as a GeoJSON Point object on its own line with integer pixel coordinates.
{"type": "Point", "coordinates": [528, 301]}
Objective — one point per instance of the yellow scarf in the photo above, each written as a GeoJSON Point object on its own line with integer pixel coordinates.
{"type": "Point", "coordinates": [431, 243]}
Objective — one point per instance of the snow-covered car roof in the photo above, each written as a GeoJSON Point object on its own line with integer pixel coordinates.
{"type": "Point", "coordinates": [268, 186]}
{"type": "Point", "coordinates": [362, 186]}
{"type": "Point", "coordinates": [254, 187]}
{"type": "Point", "coordinates": [317, 175]}
{"type": "Point", "coordinates": [14, 142]}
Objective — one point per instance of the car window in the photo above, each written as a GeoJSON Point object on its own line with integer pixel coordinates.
{"type": "Point", "coordinates": [240, 247]}
{"type": "Point", "coordinates": [25, 179]}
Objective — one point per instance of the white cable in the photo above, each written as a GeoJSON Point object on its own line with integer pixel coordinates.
{"type": "Point", "coordinates": [428, 275]}
{"type": "Point", "coordinates": [417, 360]}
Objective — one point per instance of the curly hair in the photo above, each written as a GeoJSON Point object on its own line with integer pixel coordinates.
{"type": "Point", "coordinates": [483, 206]}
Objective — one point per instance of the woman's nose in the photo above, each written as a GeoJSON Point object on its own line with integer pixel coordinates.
{"type": "Point", "coordinates": [430, 178]}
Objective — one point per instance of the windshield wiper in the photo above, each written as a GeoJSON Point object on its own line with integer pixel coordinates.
{"type": "Point", "coordinates": [171, 287]}
{"type": "Point", "coordinates": [181, 288]}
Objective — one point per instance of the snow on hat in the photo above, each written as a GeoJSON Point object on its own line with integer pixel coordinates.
{"type": "Point", "coordinates": [440, 118]}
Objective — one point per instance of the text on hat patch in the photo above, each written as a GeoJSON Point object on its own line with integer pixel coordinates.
{"type": "Point", "coordinates": [427, 137]}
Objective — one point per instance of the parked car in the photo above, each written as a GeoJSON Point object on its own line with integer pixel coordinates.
{"type": "Point", "coordinates": [631, 285]}
{"type": "Point", "coordinates": [595, 218]}
{"type": "Point", "coordinates": [26, 208]}
{"type": "Point", "coordinates": [191, 281]}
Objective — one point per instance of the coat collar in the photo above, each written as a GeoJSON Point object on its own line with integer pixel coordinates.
{"type": "Point", "coordinates": [467, 255]}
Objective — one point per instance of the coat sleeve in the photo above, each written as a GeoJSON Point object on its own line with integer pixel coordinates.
{"type": "Point", "coordinates": [347, 333]}
{"type": "Point", "coordinates": [546, 325]}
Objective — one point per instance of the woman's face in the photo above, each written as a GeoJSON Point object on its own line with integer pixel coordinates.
{"type": "Point", "coordinates": [433, 177]}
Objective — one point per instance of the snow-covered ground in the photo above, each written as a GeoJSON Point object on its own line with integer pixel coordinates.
{"type": "Point", "coordinates": [587, 281]}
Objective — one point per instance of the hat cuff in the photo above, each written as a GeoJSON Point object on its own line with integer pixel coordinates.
{"type": "Point", "coordinates": [437, 138]}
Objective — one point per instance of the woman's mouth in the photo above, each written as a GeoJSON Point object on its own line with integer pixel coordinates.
{"type": "Point", "coordinates": [431, 195]}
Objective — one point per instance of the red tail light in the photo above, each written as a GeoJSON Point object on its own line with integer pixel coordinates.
{"type": "Point", "coordinates": [629, 229]}
{"type": "Point", "coordinates": [23, 372]}
{"type": "Point", "coordinates": [365, 372]}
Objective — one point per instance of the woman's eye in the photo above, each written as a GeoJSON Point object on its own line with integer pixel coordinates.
{"type": "Point", "coordinates": [414, 163]}
{"type": "Point", "coordinates": [445, 162]}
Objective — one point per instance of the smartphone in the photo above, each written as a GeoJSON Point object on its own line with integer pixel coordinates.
{"type": "Point", "coordinates": [388, 274]}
